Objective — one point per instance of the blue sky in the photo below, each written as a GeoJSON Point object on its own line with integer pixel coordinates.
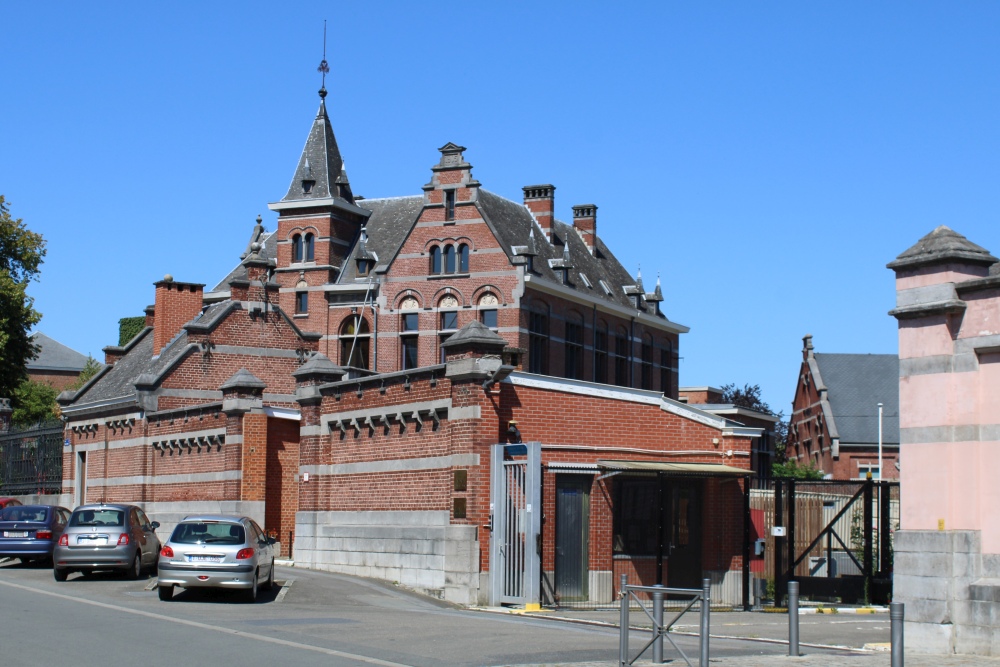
{"type": "Point", "coordinates": [766, 159]}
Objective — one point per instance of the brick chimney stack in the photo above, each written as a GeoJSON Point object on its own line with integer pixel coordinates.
{"type": "Point", "coordinates": [540, 200]}
{"type": "Point", "coordinates": [585, 223]}
{"type": "Point", "coordinates": [176, 305]}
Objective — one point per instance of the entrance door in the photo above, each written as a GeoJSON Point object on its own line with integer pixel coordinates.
{"type": "Point", "coordinates": [683, 526]}
{"type": "Point", "coordinates": [572, 537]}
{"type": "Point", "coordinates": [81, 478]}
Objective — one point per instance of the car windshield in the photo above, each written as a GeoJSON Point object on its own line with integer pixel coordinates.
{"type": "Point", "coordinates": [20, 513]}
{"type": "Point", "coordinates": [97, 517]}
{"type": "Point", "coordinates": [208, 532]}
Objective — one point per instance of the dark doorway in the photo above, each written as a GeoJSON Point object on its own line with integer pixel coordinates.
{"type": "Point", "coordinates": [684, 534]}
{"type": "Point", "coordinates": [572, 537]}
{"type": "Point", "coordinates": [658, 531]}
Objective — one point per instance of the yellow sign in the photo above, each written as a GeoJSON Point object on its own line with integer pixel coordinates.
{"type": "Point", "coordinates": [940, 524]}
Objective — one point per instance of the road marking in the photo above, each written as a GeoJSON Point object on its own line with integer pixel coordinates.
{"type": "Point", "coordinates": [202, 626]}
{"type": "Point", "coordinates": [284, 589]}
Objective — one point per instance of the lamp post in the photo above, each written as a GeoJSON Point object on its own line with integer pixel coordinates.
{"type": "Point", "coordinates": [880, 442]}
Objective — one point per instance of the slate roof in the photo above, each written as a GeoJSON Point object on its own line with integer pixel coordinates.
{"type": "Point", "coordinates": [54, 356]}
{"type": "Point", "coordinates": [268, 250]}
{"type": "Point", "coordinates": [119, 382]}
{"type": "Point", "coordinates": [320, 163]}
{"type": "Point", "coordinates": [388, 226]}
{"type": "Point", "coordinates": [941, 245]}
{"type": "Point", "coordinates": [512, 223]}
{"type": "Point", "coordinates": [856, 384]}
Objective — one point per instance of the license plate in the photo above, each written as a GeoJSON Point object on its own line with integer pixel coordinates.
{"type": "Point", "coordinates": [86, 540]}
{"type": "Point", "coordinates": [15, 533]}
{"type": "Point", "coordinates": [204, 559]}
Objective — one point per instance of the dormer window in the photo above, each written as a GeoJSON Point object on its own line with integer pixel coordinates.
{"type": "Point", "coordinates": [307, 185]}
{"type": "Point", "coordinates": [529, 264]}
{"type": "Point", "coordinates": [364, 266]}
{"type": "Point", "coordinates": [449, 205]}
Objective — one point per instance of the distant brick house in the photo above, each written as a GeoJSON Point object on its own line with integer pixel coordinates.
{"type": "Point", "coordinates": [834, 425]}
{"type": "Point", "coordinates": [363, 379]}
{"type": "Point", "coordinates": [56, 365]}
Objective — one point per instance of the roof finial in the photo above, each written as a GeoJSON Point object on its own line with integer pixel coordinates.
{"type": "Point", "coordinates": [324, 67]}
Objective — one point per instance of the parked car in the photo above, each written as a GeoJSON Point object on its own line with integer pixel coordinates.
{"type": "Point", "coordinates": [106, 537]}
{"type": "Point", "coordinates": [29, 532]}
{"type": "Point", "coordinates": [5, 502]}
{"type": "Point", "coordinates": [216, 551]}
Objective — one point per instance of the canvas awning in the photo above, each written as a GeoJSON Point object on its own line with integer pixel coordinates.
{"type": "Point", "coordinates": [686, 469]}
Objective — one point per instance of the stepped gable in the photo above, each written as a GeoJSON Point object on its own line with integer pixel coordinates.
{"type": "Point", "coordinates": [939, 246]}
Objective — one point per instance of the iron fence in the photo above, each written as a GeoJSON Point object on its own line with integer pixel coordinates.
{"type": "Point", "coordinates": [31, 460]}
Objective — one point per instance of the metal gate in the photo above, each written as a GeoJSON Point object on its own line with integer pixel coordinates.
{"type": "Point", "coordinates": [515, 521]}
{"type": "Point", "coordinates": [31, 460]}
{"type": "Point", "coordinates": [837, 538]}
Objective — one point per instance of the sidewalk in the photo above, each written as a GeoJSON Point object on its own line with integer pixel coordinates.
{"type": "Point", "coordinates": [826, 660]}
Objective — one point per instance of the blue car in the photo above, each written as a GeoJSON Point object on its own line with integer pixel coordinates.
{"type": "Point", "coordinates": [29, 532]}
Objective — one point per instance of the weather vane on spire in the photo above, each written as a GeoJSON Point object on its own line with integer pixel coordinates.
{"type": "Point", "coordinates": [324, 67]}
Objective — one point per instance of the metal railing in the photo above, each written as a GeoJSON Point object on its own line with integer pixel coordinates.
{"type": "Point", "coordinates": [31, 460]}
{"type": "Point", "coordinates": [660, 630]}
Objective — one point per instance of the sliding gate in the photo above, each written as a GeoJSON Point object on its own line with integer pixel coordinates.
{"type": "Point", "coordinates": [515, 521]}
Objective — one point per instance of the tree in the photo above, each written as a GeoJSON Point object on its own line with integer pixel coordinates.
{"type": "Point", "coordinates": [748, 397]}
{"type": "Point", "coordinates": [21, 254]}
{"type": "Point", "coordinates": [90, 368]}
{"type": "Point", "coordinates": [796, 471]}
{"type": "Point", "coordinates": [34, 402]}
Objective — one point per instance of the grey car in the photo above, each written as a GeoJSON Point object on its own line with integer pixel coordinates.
{"type": "Point", "coordinates": [216, 551]}
{"type": "Point", "coordinates": [106, 537]}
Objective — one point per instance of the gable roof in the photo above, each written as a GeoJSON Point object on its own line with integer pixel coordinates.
{"type": "Point", "coordinates": [54, 356]}
{"type": "Point", "coordinates": [855, 385]}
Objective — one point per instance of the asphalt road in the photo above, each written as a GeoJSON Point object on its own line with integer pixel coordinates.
{"type": "Point", "coordinates": [314, 619]}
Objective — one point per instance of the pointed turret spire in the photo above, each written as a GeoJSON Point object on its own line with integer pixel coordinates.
{"type": "Point", "coordinates": [320, 173]}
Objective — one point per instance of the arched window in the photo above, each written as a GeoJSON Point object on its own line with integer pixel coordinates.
{"type": "Point", "coordinates": [448, 314]}
{"type": "Point", "coordinates": [574, 346]}
{"type": "Point", "coordinates": [449, 259]}
{"type": "Point", "coordinates": [463, 258]}
{"type": "Point", "coordinates": [488, 303]}
{"type": "Point", "coordinates": [297, 248]}
{"type": "Point", "coordinates": [310, 253]}
{"type": "Point", "coordinates": [435, 260]}
{"type": "Point", "coordinates": [538, 339]}
{"type": "Point", "coordinates": [354, 342]}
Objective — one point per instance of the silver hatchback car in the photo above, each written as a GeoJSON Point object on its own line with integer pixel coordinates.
{"type": "Point", "coordinates": [216, 551]}
{"type": "Point", "coordinates": [106, 537]}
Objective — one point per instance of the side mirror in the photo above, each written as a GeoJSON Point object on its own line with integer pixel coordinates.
{"type": "Point", "coordinates": [155, 525]}
{"type": "Point", "coordinates": [271, 541]}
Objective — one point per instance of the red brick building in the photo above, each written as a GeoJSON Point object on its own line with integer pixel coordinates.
{"type": "Point", "coordinates": [363, 380]}
{"type": "Point", "coordinates": [834, 425]}
{"type": "Point", "coordinates": [55, 364]}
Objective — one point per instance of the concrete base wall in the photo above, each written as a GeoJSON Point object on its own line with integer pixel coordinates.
{"type": "Point", "coordinates": [170, 514]}
{"type": "Point", "coordinates": [951, 591]}
{"type": "Point", "coordinates": [421, 550]}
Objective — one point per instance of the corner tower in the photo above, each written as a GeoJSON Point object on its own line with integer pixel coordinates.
{"type": "Point", "coordinates": [318, 223]}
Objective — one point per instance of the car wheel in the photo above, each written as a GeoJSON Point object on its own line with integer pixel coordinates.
{"type": "Point", "coordinates": [270, 578]}
{"type": "Point", "coordinates": [166, 593]}
{"type": "Point", "coordinates": [59, 574]}
{"type": "Point", "coordinates": [251, 594]}
{"type": "Point", "coordinates": [135, 571]}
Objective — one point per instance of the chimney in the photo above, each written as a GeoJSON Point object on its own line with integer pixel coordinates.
{"type": "Point", "coordinates": [540, 200]}
{"type": "Point", "coordinates": [585, 223]}
{"type": "Point", "coordinates": [176, 305]}
{"type": "Point", "coordinates": [807, 347]}
{"type": "Point", "coordinates": [150, 315]}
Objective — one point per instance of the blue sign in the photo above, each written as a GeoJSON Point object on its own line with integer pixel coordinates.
{"type": "Point", "coordinates": [66, 442]}
{"type": "Point", "coordinates": [516, 450]}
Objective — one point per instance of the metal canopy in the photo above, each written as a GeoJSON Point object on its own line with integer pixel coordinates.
{"type": "Point", "coordinates": [687, 469]}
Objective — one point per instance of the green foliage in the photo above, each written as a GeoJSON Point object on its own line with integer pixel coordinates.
{"type": "Point", "coordinates": [129, 328]}
{"type": "Point", "coordinates": [21, 253]}
{"type": "Point", "coordinates": [90, 369]}
{"type": "Point", "coordinates": [34, 402]}
{"type": "Point", "coordinates": [748, 397]}
{"type": "Point", "coordinates": [796, 471]}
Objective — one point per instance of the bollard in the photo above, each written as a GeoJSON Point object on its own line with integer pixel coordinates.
{"type": "Point", "coordinates": [706, 599]}
{"type": "Point", "coordinates": [896, 620]}
{"type": "Point", "coordinates": [793, 618]}
{"type": "Point", "coordinates": [658, 626]}
{"type": "Point", "coordinates": [623, 623]}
